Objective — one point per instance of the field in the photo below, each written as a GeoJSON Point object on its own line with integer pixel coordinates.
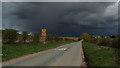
{"type": "Point", "coordinates": [16, 50]}
{"type": "Point", "coordinates": [99, 55]}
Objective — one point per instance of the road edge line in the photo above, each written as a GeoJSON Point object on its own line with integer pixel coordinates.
{"type": "Point", "coordinates": [84, 61]}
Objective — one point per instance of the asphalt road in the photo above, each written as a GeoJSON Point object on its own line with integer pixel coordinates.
{"type": "Point", "coordinates": [66, 55]}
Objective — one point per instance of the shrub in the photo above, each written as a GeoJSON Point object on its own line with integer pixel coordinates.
{"type": "Point", "coordinates": [36, 37]}
{"type": "Point", "coordinates": [52, 38]}
{"type": "Point", "coordinates": [9, 35]}
{"type": "Point", "coordinates": [24, 36]}
{"type": "Point", "coordinates": [115, 43]}
{"type": "Point", "coordinates": [95, 40]}
{"type": "Point", "coordinates": [105, 42]}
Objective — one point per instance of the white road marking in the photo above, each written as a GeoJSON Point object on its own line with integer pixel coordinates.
{"type": "Point", "coordinates": [61, 49]}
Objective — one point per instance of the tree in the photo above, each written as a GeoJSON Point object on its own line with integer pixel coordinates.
{"type": "Point", "coordinates": [86, 37]}
{"type": "Point", "coordinates": [24, 36]}
{"type": "Point", "coordinates": [9, 35]}
{"type": "Point", "coordinates": [36, 37]}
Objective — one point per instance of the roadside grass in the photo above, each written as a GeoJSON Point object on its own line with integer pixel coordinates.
{"type": "Point", "coordinates": [16, 50]}
{"type": "Point", "coordinates": [99, 55]}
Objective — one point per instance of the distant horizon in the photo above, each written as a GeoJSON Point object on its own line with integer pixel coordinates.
{"type": "Point", "coordinates": [64, 36]}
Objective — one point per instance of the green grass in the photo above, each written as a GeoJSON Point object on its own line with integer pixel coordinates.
{"type": "Point", "coordinates": [99, 55]}
{"type": "Point", "coordinates": [16, 50]}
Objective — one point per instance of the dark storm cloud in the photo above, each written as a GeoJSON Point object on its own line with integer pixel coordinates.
{"type": "Point", "coordinates": [61, 18]}
{"type": "Point", "coordinates": [119, 17]}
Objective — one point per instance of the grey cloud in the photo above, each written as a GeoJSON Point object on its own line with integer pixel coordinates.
{"type": "Point", "coordinates": [60, 18]}
{"type": "Point", "coordinates": [59, 0]}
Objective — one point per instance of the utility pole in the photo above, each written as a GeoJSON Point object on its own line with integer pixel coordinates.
{"type": "Point", "coordinates": [43, 35]}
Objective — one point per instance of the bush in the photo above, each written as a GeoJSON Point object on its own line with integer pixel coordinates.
{"type": "Point", "coordinates": [24, 36]}
{"type": "Point", "coordinates": [119, 42]}
{"type": "Point", "coordinates": [30, 38]}
{"type": "Point", "coordinates": [57, 38]}
{"type": "Point", "coordinates": [68, 40]}
{"type": "Point", "coordinates": [115, 43]}
{"type": "Point", "coordinates": [105, 42]}
{"type": "Point", "coordinates": [51, 38]}
{"type": "Point", "coordinates": [9, 35]}
{"type": "Point", "coordinates": [36, 38]}
{"type": "Point", "coordinates": [95, 40]}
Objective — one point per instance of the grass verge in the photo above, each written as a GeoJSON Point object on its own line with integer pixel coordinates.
{"type": "Point", "coordinates": [99, 55]}
{"type": "Point", "coordinates": [16, 50]}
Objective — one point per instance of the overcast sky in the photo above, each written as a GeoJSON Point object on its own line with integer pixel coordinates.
{"type": "Point", "coordinates": [62, 18]}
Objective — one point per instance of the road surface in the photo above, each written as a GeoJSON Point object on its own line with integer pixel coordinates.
{"type": "Point", "coordinates": [66, 55]}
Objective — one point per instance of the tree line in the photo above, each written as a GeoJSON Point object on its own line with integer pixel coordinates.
{"type": "Point", "coordinates": [11, 36]}
{"type": "Point", "coordinates": [111, 41]}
